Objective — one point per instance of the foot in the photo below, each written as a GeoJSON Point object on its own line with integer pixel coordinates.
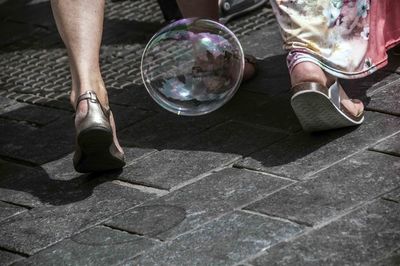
{"type": "Point", "coordinates": [249, 68]}
{"type": "Point", "coordinates": [81, 110]}
{"type": "Point", "coordinates": [309, 72]}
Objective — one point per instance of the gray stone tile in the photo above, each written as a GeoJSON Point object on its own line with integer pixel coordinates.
{"type": "Point", "coordinates": [5, 102]}
{"type": "Point", "coordinates": [243, 102]}
{"type": "Point", "coordinates": [34, 114]}
{"type": "Point", "coordinates": [12, 171]}
{"type": "Point", "coordinates": [389, 146]}
{"type": "Point", "coordinates": [63, 168]}
{"type": "Point", "coordinates": [8, 210]}
{"type": "Point", "coordinates": [359, 238]}
{"type": "Point", "coordinates": [95, 246]}
{"type": "Point", "coordinates": [197, 203]}
{"type": "Point", "coordinates": [365, 88]}
{"type": "Point", "coordinates": [386, 100]}
{"type": "Point", "coordinates": [132, 95]}
{"type": "Point", "coordinates": [197, 155]}
{"type": "Point", "coordinates": [263, 43]}
{"type": "Point", "coordinates": [9, 130]}
{"type": "Point", "coordinates": [37, 146]}
{"type": "Point", "coordinates": [168, 168]}
{"type": "Point", "coordinates": [32, 231]}
{"type": "Point", "coordinates": [134, 153]}
{"type": "Point", "coordinates": [125, 115]}
{"type": "Point", "coordinates": [392, 259]}
{"type": "Point", "coordinates": [303, 154]}
{"type": "Point", "coordinates": [276, 113]}
{"type": "Point", "coordinates": [393, 196]}
{"type": "Point", "coordinates": [272, 77]}
{"type": "Point", "coordinates": [225, 241]}
{"type": "Point", "coordinates": [155, 132]}
{"type": "Point", "coordinates": [8, 258]}
{"type": "Point", "coordinates": [353, 181]}
{"type": "Point", "coordinates": [34, 186]}
{"type": "Point", "coordinates": [230, 138]}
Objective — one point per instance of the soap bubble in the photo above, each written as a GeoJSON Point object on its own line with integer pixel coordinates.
{"type": "Point", "coordinates": [192, 66]}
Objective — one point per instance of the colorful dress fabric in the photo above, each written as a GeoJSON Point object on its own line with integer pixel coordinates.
{"type": "Point", "coordinates": [347, 38]}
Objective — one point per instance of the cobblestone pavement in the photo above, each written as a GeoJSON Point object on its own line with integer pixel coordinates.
{"type": "Point", "coordinates": [242, 186]}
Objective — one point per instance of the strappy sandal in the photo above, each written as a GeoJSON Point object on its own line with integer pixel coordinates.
{"type": "Point", "coordinates": [319, 108]}
{"type": "Point", "coordinates": [95, 148]}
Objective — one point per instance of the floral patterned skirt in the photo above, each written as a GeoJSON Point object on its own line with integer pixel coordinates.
{"type": "Point", "coordinates": [347, 38]}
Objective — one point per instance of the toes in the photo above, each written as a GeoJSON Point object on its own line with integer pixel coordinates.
{"type": "Point", "coordinates": [355, 106]}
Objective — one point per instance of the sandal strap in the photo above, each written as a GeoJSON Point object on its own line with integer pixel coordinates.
{"type": "Point", "coordinates": [334, 93]}
{"type": "Point", "coordinates": [92, 97]}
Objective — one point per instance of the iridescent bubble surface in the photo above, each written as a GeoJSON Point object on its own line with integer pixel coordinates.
{"type": "Point", "coordinates": [192, 66]}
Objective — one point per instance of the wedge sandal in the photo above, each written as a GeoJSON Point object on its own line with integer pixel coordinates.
{"type": "Point", "coordinates": [319, 108]}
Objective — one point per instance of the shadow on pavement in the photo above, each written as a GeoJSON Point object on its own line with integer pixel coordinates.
{"type": "Point", "coordinates": [259, 116]}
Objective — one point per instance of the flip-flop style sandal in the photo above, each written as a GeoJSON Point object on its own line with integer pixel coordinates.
{"type": "Point", "coordinates": [319, 108]}
{"type": "Point", "coordinates": [95, 148]}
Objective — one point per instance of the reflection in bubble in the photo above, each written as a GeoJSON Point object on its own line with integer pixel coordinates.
{"type": "Point", "coordinates": [192, 66]}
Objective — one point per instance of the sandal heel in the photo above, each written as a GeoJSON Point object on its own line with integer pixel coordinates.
{"type": "Point", "coordinates": [95, 148]}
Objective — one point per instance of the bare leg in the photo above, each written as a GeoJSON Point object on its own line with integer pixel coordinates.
{"type": "Point", "coordinates": [199, 8]}
{"type": "Point", "coordinates": [309, 72]}
{"type": "Point", "coordinates": [208, 9]}
{"type": "Point", "coordinates": [80, 24]}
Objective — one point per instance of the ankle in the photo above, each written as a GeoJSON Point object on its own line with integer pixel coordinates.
{"type": "Point", "coordinates": [97, 88]}
{"type": "Point", "coordinates": [310, 72]}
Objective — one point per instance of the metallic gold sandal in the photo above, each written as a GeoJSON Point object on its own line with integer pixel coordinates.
{"type": "Point", "coordinates": [319, 108]}
{"type": "Point", "coordinates": [95, 147]}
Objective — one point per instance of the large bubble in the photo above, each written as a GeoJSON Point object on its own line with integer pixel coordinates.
{"type": "Point", "coordinates": [192, 66]}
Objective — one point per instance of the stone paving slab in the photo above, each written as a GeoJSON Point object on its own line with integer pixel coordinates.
{"type": "Point", "coordinates": [187, 158]}
{"type": "Point", "coordinates": [272, 77]}
{"type": "Point", "coordinates": [300, 155]}
{"type": "Point", "coordinates": [365, 88]}
{"type": "Point", "coordinates": [155, 132]}
{"type": "Point", "coordinates": [8, 210]}
{"type": "Point", "coordinates": [37, 115]}
{"type": "Point", "coordinates": [389, 146]}
{"type": "Point", "coordinates": [386, 100]}
{"type": "Point", "coordinates": [132, 95]}
{"type": "Point", "coordinates": [13, 171]}
{"type": "Point", "coordinates": [201, 217]}
{"type": "Point", "coordinates": [40, 145]}
{"type": "Point", "coordinates": [95, 246]}
{"type": "Point", "coordinates": [359, 238]}
{"type": "Point", "coordinates": [393, 196]}
{"type": "Point", "coordinates": [230, 138]}
{"type": "Point", "coordinates": [267, 115]}
{"type": "Point", "coordinates": [47, 185]}
{"type": "Point", "coordinates": [169, 168]}
{"type": "Point", "coordinates": [225, 241]}
{"type": "Point", "coordinates": [5, 102]}
{"type": "Point", "coordinates": [263, 43]}
{"type": "Point", "coordinates": [391, 260]}
{"type": "Point", "coordinates": [126, 116]}
{"type": "Point", "coordinates": [63, 169]}
{"type": "Point", "coordinates": [8, 258]}
{"type": "Point", "coordinates": [39, 228]}
{"type": "Point", "coordinates": [331, 192]}
{"type": "Point", "coordinates": [197, 203]}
